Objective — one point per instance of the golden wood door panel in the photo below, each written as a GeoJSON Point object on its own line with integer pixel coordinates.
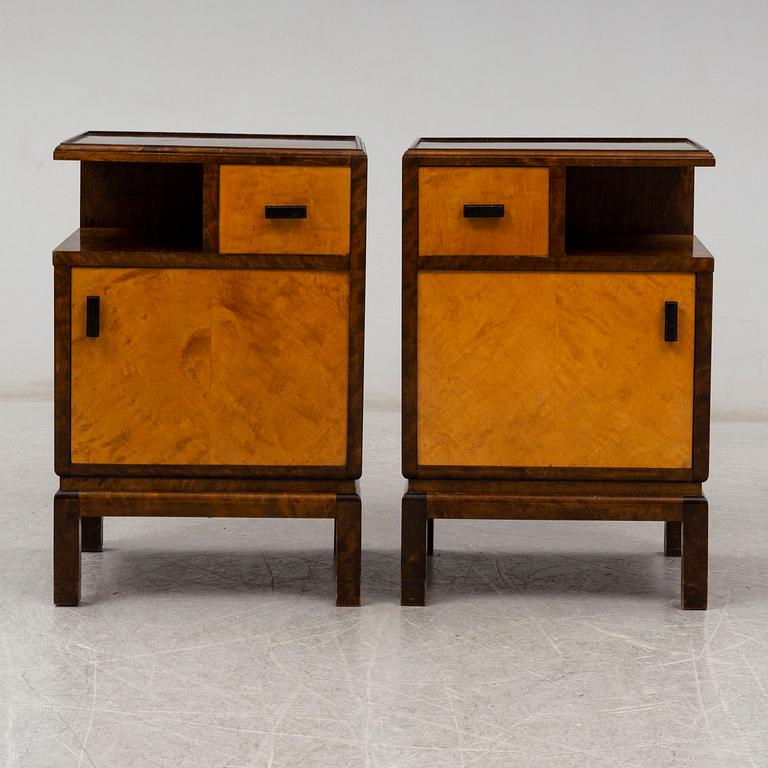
{"type": "Point", "coordinates": [141, 390]}
{"type": "Point", "coordinates": [173, 380]}
{"type": "Point", "coordinates": [554, 369]}
{"type": "Point", "coordinates": [280, 362]}
{"type": "Point", "coordinates": [523, 230]}
{"type": "Point", "coordinates": [245, 190]}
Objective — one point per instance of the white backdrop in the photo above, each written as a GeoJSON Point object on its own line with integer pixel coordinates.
{"type": "Point", "coordinates": [389, 71]}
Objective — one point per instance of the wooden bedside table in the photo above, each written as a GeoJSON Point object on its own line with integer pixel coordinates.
{"type": "Point", "coordinates": [556, 340]}
{"type": "Point", "coordinates": [209, 336]}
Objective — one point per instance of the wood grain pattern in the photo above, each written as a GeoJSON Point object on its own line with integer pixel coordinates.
{"type": "Point", "coordinates": [673, 531]}
{"type": "Point", "coordinates": [347, 547]}
{"type": "Point", "coordinates": [210, 367]}
{"type": "Point", "coordinates": [94, 504]}
{"type": "Point", "coordinates": [703, 376]}
{"type": "Point", "coordinates": [279, 367]}
{"type": "Point", "coordinates": [695, 554]}
{"type": "Point", "coordinates": [554, 370]}
{"type": "Point", "coordinates": [66, 549]}
{"type": "Point", "coordinates": [413, 550]}
{"type": "Point", "coordinates": [655, 152]}
{"type": "Point", "coordinates": [524, 229]}
{"type": "Point", "coordinates": [162, 204]}
{"type": "Point", "coordinates": [602, 487]}
{"type": "Point", "coordinates": [601, 203]}
{"type": "Point", "coordinates": [91, 534]}
{"type": "Point", "coordinates": [446, 506]}
{"type": "Point", "coordinates": [209, 484]}
{"type": "Point", "coordinates": [62, 303]}
{"type": "Point", "coordinates": [246, 189]}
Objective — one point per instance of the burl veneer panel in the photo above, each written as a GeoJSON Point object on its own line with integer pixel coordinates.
{"type": "Point", "coordinates": [210, 367]}
{"type": "Point", "coordinates": [554, 369]}
{"type": "Point", "coordinates": [246, 189]}
{"type": "Point", "coordinates": [279, 367]}
{"type": "Point", "coordinates": [523, 230]}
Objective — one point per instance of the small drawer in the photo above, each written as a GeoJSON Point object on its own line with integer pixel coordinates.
{"type": "Point", "coordinates": [484, 211]}
{"type": "Point", "coordinates": [286, 209]}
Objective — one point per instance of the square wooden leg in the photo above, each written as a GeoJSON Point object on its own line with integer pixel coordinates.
{"type": "Point", "coordinates": [673, 531]}
{"type": "Point", "coordinates": [695, 553]}
{"type": "Point", "coordinates": [430, 536]}
{"type": "Point", "coordinates": [413, 563]}
{"type": "Point", "coordinates": [92, 536]}
{"type": "Point", "coordinates": [348, 549]}
{"type": "Point", "coordinates": [66, 549]}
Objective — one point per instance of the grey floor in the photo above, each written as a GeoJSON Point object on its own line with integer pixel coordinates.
{"type": "Point", "coordinates": [216, 643]}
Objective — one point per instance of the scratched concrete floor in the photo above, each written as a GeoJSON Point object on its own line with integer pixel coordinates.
{"type": "Point", "coordinates": [216, 643]}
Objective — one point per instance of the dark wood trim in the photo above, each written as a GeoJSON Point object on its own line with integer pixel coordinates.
{"type": "Point", "coordinates": [202, 504]}
{"type": "Point", "coordinates": [539, 159]}
{"type": "Point", "coordinates": [456, 506]}
{"type": "Point", "coordinates": [182, 260]}
{"type": "Point", "coordinates": [673, 531]}
{"type": "Point", "coordinates": [702, 375]}
{"type": "Point", "coordinates": [348, 549]}
{"type": "Point", "coordinates": [413, 549]}
{"type": "Point", "coordinates": [66, 549]}
{"type": "Point", "coordinates": [211, 207]}
{"type": "Point", "coordinates": [214, 135]}
{"type": "Point", "coordinates": [592, 263]}
{"type": "Point", "coordinates": [556, 211]}
{"type": "Point", "coordinates": [207, 484]}
{"type": "Point", "coordinates": [204, 470]}
{"type": "Point", "coordinates": [410, 317]}
{"type": "Point", "coordinates": [548, 473]}
{"type": "Point", "coordinates": [356, 317]}
{"type": "Point", "coordinates": [92, 534]}
{"type": "Point", "coordinates": [222, 155]}
{"type": "Point", "coordinates": [694, 566]}
{"type": "Point", "coordinates": [480, 153]}
{"type": "Point", "coordinates": [62, 309]}
{"type": "Point", "coordinates": [600, 487]}
{"type": "Point", "coordinates": [358, 213]}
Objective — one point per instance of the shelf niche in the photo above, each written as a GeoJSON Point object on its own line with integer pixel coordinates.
{"type": "Point", "coordinates": [148, 206]}
{"type": "Point", "coordinates": [614, 206]}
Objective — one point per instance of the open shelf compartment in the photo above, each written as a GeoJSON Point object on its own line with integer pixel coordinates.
{"type": "Point", "coordinates": [626, 207]}
{"type": "Point", "coordinates": [145, 206]}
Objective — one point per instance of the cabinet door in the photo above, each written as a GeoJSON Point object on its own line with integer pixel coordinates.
{"type": "Point", "coordinates": [547, 369]}
{"type": "Point", "coordinates": [220, 367]}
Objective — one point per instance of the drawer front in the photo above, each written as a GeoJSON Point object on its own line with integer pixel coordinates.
{"type": "Point", "coordinates": [289, 209]}
{"type": "Point", "coordinates": [522, 230]}
{"type": "Point", "coordinates": [547, 369]}
{"type": "Point", "coordinates": [218, 367]}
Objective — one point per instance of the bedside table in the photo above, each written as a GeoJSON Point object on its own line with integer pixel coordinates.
{"type": "Point", "coordinates": [556, 340]}
{"type": "Point", "coordinates": [209, 336]}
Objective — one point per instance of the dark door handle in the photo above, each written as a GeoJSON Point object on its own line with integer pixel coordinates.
{"type": "Point", "coordinates": [92, 317]}
{"type": "Point", "coordinates": [494, 211]}
{"type": "Point", "coordinates": [670, 321]}
{"type": "Point", "coordinates": [285, 211]}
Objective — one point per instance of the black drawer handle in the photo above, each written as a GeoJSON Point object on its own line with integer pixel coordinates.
{"type": "Point", "coordinates": [285, 211]}
{"type": "Point", "coordinates": [670, 321]}
{"type": "Point", "coordinates": [92, 317]}
{"type": "Point", "coordinates": [494, 211]}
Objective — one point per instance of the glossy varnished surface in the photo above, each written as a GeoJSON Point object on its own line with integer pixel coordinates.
{"type": "Point", "coordinates": [246, 189]}
{"type": "Point", "coordinates": [201, 642]}
{"type": "Point", "coordinates": [210, 366]}
{"type": "Point", "coordinates": [591, 145]}
{"type": "Point", "coordinates": [634, 151]}
{"type": "Point", "coordinates": [523, 230]}
{"type": "Point", "coordinates": [137, 145]}
{"type": "Point", "coordinates": [554, 370]}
